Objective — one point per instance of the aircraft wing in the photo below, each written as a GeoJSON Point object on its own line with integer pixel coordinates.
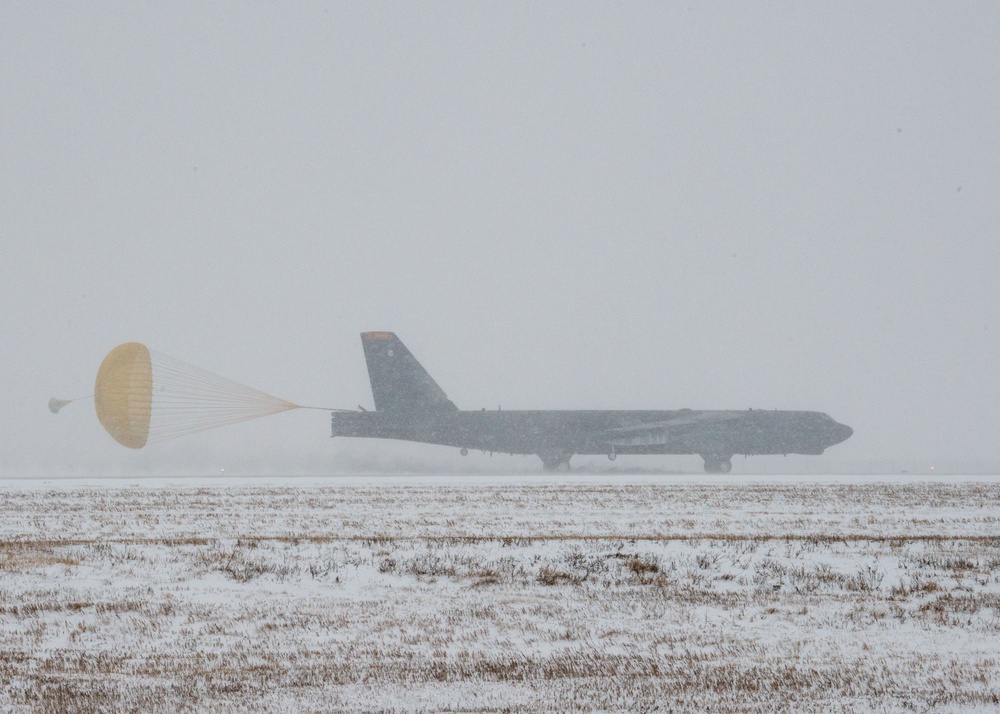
{"type": "Point", "coordinates": [694, 432]}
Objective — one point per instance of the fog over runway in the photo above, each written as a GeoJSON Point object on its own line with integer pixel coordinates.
{"type": "Point", "coordinates": [641, 206]}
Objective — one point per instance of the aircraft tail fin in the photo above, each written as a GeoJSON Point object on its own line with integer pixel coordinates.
{"type": "Point", "coordinates": [399, 383]}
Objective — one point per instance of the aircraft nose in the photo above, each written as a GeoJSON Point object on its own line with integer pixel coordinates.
{"type": "Point", "coordinates": [842, 432]}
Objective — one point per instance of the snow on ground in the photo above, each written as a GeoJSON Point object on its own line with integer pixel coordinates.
{"type": "Point", "coordinates": [589, 593]}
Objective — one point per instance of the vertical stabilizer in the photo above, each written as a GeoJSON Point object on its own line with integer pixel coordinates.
{"type": "Point", "coordinates": [399, 383]}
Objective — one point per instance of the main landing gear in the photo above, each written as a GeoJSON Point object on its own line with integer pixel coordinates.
{"type": "Point", "coordinates": [555, 461]}
{"type": "Point", "coordinates": [715, 464]}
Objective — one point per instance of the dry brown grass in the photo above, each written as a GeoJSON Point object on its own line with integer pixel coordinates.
{"type": "Point", "coordinates": [267, 611]}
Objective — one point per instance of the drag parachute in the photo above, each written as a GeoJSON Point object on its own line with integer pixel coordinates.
{"type": "Point", "coordinates": [143, 396]}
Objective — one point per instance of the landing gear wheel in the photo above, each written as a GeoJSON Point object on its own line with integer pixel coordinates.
{"type": "Point", "coordinates": [718, 464]}
{"type": "Point", "coordinates": [555, 462]}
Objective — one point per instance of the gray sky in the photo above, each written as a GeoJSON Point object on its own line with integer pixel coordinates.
{"type": "Point", "coordinates": [631, 205]}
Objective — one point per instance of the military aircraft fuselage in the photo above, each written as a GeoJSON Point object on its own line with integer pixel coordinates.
{"type": "Point", "coordinates": [554, 434]}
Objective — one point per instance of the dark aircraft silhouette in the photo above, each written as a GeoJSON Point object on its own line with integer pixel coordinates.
{"type": "Point", "coordinates": [410, 406]}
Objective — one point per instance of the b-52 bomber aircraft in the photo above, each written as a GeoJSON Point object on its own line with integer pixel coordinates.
{"type": "Point", "coordinates": [410, 406]}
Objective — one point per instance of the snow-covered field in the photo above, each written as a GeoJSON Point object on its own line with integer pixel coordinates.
{"type": "Point", "coordinates": [590, 593]}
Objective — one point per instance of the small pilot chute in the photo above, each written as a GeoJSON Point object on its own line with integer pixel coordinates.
{"type": "Point", "coordinates": [143, 396]}
{"type": "Point", "coordinates": [56, 404]}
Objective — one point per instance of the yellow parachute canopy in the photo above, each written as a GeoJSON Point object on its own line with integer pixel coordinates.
{"type": "Point", "coordinates": [143, 396]}
{"type": "Point", "coordinates": [123, 394]}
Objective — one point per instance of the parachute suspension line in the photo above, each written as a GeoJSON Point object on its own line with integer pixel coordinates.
{"type": "Point", "coordinates": [187, 399]}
